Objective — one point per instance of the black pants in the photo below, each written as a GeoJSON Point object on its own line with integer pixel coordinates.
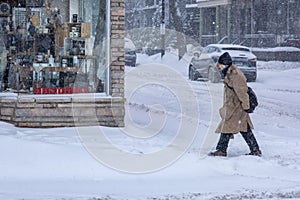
{"type": "Point", "coordinates": [248, 137]}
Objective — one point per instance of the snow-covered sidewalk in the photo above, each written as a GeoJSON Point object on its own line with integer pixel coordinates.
{"type": "Point", "coordinates": [53, 163]}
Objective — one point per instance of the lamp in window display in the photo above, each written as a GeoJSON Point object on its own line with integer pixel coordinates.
{"type": "Point", "coordinates": [4, 9]}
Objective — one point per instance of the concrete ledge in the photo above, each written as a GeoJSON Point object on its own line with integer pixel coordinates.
{"type": "Point", "coordinates": [69, 111]}
{"type": "Point", "coordinates": [277, 54]}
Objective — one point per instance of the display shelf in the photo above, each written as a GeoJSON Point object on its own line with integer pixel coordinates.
{"type": "Point", "coordinates": [79, 57]}
{"type": "Point", "coordinates": [61, 69]}
{"type": "Point", "coordinates": [73, 30]}
{"type": "Point", "coordinates": [59, 54]}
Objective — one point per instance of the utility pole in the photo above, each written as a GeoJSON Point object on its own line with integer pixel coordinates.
{"type": "Point", "coordinates": [162, 28]}
{"type": "Point", "coordinates": [200, 25]}
{"type": "Point", "coordinates": [288, 19]}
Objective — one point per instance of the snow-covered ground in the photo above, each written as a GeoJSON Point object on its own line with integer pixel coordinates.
{"type": "Point", "coordinates": [160, 154]}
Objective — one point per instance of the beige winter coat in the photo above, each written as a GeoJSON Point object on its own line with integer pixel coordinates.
{"type": "Point", "coordinates": [235, 101]}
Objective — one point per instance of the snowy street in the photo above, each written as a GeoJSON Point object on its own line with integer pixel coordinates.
{"type": "Point", "coordinates": [54, 164]}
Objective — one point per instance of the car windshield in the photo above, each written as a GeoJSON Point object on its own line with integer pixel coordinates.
{"type": "Point", "coordinates": [205, 50]}
{"type": "Point", "coordinates": [235, 49]}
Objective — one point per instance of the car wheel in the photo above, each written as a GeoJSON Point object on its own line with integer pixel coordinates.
{"type": "Point", "coordinates": [213, 75]}
{"type": "Point", "coordinates": [251, 78]}
{"type": "Point", "coordinates": [192, 74]}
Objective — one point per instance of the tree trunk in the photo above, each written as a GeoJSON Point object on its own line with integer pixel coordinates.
{"type": "Point", "coordinates": [99, 49]}
{"type": "Point", "coordinates": [178, 25]}
{"type": "Point", "coordinates": [101, 25]}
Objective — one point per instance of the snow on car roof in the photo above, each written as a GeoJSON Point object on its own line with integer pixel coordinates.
{"type": "Point", "coordinates": [229, 46]}
{"type": "Point", "coordinates": [129, 44]}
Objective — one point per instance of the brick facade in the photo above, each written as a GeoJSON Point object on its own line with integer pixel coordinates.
{"type": "Point", "coordinates": [117, 47]}
{"type": "Point", "coordinates": [77, 110]}
{"type": "Point", "coordinates": [62, 111]}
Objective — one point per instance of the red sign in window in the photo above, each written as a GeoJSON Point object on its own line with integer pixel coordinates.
{"type": "Point", "coordinates": [67, 90]}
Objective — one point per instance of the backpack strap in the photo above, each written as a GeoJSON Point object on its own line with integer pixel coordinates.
{"type": "Point", "coordinates": [229, 87]}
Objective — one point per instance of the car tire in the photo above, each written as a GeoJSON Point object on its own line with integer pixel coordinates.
{"type": "Point", "coordinates": [251, 78]}
{"type": "Point", "coordinates": [213, 75]}
{"type": "Point", "coordinates": [192, 74]}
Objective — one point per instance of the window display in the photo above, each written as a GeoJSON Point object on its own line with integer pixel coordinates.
{"type": "Point", "coordinates": [47, 51]}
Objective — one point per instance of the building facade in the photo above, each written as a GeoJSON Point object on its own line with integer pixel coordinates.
{"type": "Point", "coordinates": [257, 23]}
{"type": "Point", "coordinates": [62, 62]}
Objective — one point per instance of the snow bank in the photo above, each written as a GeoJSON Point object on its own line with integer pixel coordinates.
{"type": "Point", "coordinates": [53, 164]}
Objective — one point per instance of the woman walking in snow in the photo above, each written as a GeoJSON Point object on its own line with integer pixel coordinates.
{"type": "Point", "coordinates": [234, 113]}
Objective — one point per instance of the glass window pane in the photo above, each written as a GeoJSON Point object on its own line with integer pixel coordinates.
{"type": "Point", "coordinates": [54, 47]}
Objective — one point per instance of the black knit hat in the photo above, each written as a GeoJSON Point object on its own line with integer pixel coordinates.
{"type": "Point", "coordinates": [225, 59]}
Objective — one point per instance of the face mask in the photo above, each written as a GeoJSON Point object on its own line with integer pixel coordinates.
{"type": "Point", "coordinates": [224, 70]}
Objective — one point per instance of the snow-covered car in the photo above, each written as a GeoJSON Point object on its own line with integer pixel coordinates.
{"type": "Point", "coordinates": [203, 67]}
{"type": "Point", "coordinates": [241, 56]}
{"type": "Point", "coordinates": [130, 53]}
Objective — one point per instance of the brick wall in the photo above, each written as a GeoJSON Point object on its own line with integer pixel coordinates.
{"type": "Point", "coordinates": [7, 107]}
{"type": "Point", "coordinates": [43, 111]}
{"type": "Point", "coordinates": [117, 47]}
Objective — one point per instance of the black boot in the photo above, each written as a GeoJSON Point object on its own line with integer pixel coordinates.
{"type": "Point", "coordinates": [251, 142]}
{"type": "Point", "coordinates": [255, 153]}
{"type": "Point", "coordinates": [222, 145]}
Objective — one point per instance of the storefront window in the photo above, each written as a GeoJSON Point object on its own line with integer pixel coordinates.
{"type": "Point", "coordinates": [53, 47]}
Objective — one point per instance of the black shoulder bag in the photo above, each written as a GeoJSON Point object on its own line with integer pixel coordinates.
{"type": "Point", "coordinates": [253, 102]}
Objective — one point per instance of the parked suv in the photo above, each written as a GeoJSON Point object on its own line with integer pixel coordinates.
{"type": "Point", "coordinates": [203, 67]}
{"type": "Point", "coordinates": [130, 53]}
{"type": "Point", "coordinates": [241, 56]}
